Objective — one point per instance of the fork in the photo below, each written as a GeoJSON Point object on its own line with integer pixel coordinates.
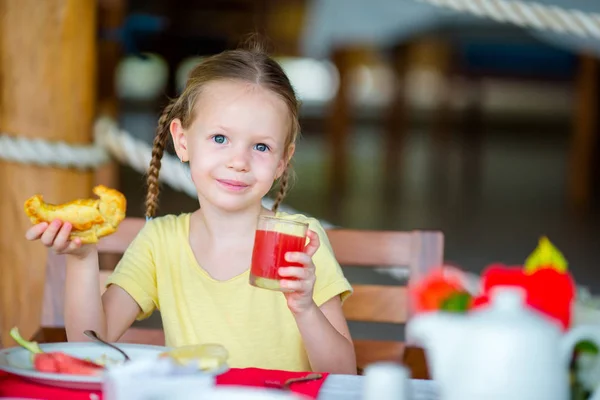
{"type": "Point", "coordinates": [286, 385]}
{"type": "Point", "coordinates": [94, 336]}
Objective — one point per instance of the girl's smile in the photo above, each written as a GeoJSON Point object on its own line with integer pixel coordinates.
{"type": "Point", "coordinates": [233, 185]}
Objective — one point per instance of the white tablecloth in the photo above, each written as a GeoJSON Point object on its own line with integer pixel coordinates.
{"type": "Point", "coordinates": [349, 387]}
{"type": "Point", "coordinates": [147, 378]}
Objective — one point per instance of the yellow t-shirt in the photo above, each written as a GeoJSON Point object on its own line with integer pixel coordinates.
{"type": "Point", "coordinates": [159, 271]}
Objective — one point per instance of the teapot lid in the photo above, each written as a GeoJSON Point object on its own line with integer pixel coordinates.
{"type": "Point", "coordinates": [508, 297]}
{"type": "Point", "coordinates": [509, 305]}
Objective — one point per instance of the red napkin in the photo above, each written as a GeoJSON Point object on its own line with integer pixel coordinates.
{"type": "Point", "coordinates": [257, 377]}
{"type": "Point", "coordinates": [14, 386]}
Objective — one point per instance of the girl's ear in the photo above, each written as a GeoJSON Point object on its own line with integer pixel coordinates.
{"type": "Point", "coordinates": [179, 139]}
{"type": "Point", "coordinates": [283, 163]}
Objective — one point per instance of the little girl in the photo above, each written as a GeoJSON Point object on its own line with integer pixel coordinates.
{"type": "Point", "coordinates": [236, 123]}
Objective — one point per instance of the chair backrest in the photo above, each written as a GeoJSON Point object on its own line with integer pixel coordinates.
{"type": "Point", "coordinates": [417, 251]}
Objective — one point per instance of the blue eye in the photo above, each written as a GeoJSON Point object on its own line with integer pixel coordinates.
{"type": "Point", "coordinates": [261, 147]}
{"type": "Point", "coordinates": [220, 139]}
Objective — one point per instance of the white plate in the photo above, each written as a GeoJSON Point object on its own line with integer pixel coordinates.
{"type": "Point", "coordinates": [17, 360]}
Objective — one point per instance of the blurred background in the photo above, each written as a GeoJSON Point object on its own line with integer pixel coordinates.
{"type": "Point", "coordinates": [413, 117]}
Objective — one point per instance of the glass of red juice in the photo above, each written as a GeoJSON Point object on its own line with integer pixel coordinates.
{"type": "Point", "coordinates": [274, 238]}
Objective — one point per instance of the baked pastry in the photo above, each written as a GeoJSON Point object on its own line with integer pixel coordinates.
{"type": "Point", "coordinates": [91, 218]}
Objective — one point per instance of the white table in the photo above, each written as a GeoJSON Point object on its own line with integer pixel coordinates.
{"type": "Point", "coordinates": [349, 387]}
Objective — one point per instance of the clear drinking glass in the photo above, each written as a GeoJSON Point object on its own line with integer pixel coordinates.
{"type": "Point", "coordinates": [274, 238]}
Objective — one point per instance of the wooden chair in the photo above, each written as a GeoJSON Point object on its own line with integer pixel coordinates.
{"type": "Point", "coordinates": [416, 250]}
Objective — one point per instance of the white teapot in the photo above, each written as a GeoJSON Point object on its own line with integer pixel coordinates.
{"type": "Point", "coordinates": [506, 351]}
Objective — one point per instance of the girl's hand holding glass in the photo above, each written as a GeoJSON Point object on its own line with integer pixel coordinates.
{"type": "Point", "coordinates": [298, 283]}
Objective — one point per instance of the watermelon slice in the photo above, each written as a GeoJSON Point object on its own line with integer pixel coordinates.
{"type": "Point", "coordinates": [56, 362]}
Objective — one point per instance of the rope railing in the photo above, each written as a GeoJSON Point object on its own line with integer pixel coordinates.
{"type": "Point", "coordinates": [44, 153]}
{"type": "Point", "coordinates": [529, 15]}
{"type": "Point", "coordinates": [111, 142]}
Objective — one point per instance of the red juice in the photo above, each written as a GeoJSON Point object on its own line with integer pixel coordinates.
{"type": "Point", "coordinates": [268, 256]}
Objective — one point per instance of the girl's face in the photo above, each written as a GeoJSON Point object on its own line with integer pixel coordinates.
{"type": "Point", "coordinates": [235, 144]}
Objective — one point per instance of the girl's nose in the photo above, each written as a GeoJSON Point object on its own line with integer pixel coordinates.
{"type": "Point", "coordinates": [239, 160]}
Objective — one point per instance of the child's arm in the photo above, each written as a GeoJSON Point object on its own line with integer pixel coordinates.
{"type": "Point", "coordinates": [109, 315]}
{"type": "Point", "coordinates": [324, 329]}
{"type": "Point", "coordinates": [327, 339]}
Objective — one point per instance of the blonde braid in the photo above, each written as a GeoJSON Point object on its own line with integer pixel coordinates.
{"type": "Point", "coordinates": [283, 188]}
{"type": "Point", "coordinates": [158, 149]}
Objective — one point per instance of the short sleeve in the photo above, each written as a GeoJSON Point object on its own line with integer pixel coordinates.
{"type": "Point", "coordinates": [330, 280]}
{"type": "Point", "coordinates": [136, 271]}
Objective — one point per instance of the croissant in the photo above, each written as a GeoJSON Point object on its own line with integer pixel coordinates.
{"type": "Point", "coordinates": [91, 218]}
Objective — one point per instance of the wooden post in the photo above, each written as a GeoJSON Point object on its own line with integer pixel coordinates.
{"type": "Point", "coordinates": [585, 133]}
{"type": "Point", "coordinates": [338, 126]}
{"type": "Point", "coordinates": [339, 122]}
{"type": "Point", "coordinates": [111, 15]}
{"type": "Point", "coordinates": [47, 91]}
{"type": "Point", "coordinates": [395, 133]}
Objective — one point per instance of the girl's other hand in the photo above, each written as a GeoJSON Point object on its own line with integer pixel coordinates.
{"type": "Point", "coordinates": [56, 236]}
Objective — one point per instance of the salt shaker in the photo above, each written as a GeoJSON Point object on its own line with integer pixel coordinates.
{"type": "Point", "coordinates": [386, 381]}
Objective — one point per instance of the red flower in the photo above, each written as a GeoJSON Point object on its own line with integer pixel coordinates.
{"type": "Point", "coordinates": [438, 286]}
{"type": "Point", "coordinates": [548, 290]}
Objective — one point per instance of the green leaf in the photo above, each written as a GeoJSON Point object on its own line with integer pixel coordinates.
{"type": "Point", "coordinates": [31, 346]}
{"type": "Point", "coordinates": [457, 302]}
{"type": "Point", "coordinates": [586, 346]}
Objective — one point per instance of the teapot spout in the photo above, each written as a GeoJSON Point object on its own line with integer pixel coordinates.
{"type": "Point", "coordinates": [438, 334]}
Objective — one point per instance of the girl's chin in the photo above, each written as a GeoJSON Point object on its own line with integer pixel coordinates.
{"type": "Point", "coordinates": [231, 203]}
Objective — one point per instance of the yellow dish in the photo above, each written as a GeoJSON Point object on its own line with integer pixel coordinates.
{"type": "Point", "coordinates": [208, 357]}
